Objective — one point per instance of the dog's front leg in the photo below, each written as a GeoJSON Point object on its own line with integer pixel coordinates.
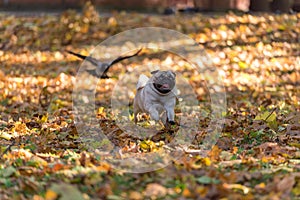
{"type": "Point", "coordinates": [170, 113]}
{"type": "Point", "coordinates": [154, 112]}
{"type": "Point", "coordinates": [171, 116]}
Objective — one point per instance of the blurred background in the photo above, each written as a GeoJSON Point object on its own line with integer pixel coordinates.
{"type": "Point", "coordinates": [161, 6]}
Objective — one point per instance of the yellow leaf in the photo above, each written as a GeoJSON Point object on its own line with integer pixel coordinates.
{"type": "Point", "coordinates": [223, 27]}
{"type": "Point", "coordinates": [294, 144]}
{"type": "Point", "coordinates": [144, 146]}
{"type": "Point", "coordinates": [100, 110]}
{"type": "Point", "coordinates": [5, 136]}
{"type": "Point", "coordinates": [243, 65]}
{"type": "Point", "coordinates": [112, 22]}
{"type": "Point", "coordinates": [237, 186]}
{"type": "Point", "coordinates": [296, 189]}
{"type": "Point", "coordinates": [44, 58]}
{"type": "Point", "coordinates": [207, 161]}
{"type": "Point", "coordinates": [261, 185]}
{"type": "Point", "coordinates": [265, 160]}
{"type": "Point", "coordinates": [281, 27]}
{"type": "Point", "coordinates": [148, 145]}
{"type": "Point", "coordinates": [44, 118]}
{"type": "Point", "coordinates": [131, 117]}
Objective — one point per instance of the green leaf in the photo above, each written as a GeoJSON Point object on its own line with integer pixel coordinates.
{"type": "Point", "coordinates": [114, 197]}
{"type": "Point", "coordinates": [7, 182]}
{"type": "Point", "coordinates": [207, 180]}
{"type": "Point", "coordinates": [273, 124]}
{"type": "Point", "coordinates": [7, 172]}
{"type": "Point", "coordinates": [31, 147]}
{"type": "Point", "coordinates": [266, 116]}
{"type": "Point", "coordinates": [271, 117]}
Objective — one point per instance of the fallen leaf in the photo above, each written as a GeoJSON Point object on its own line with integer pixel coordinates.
{"type": "Point", "coordinates": [243, 188]}
{"type": "Point", "coordinates": [286, 184]}
{"type": "Point", "coordinates": [66, 191]}
{"type": "Point", "coordinates": [51, 195]}
{"type": "Point", "coordinates": [155, 190]}
{"type": "Point", "coordinates": [207, 180]}
{"type": "Point", "coordinates": [7, 172]}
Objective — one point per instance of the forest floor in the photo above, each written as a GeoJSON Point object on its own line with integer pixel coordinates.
{"type": "Point", "coordinates": [256, 155]}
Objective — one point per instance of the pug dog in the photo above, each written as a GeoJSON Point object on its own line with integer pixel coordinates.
{"type": "Point", "coordinates": [155, 95]}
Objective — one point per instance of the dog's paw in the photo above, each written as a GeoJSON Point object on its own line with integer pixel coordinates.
{"type": "Point", "coordinates": [171, 122]}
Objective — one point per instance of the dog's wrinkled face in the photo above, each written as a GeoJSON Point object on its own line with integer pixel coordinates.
{"type": "Point", "coordinates": [164, 81]}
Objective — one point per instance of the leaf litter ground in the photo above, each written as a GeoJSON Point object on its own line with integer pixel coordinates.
{"type": "Point", "coordinates": [256, 157]}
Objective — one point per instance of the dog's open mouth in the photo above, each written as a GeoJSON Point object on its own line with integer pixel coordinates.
{"type": "Point", "coordinates": [163, 88]}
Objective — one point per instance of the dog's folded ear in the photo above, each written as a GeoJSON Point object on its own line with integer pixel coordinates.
{"type": "Point", "coordinates": [154, 72]}
{"type": "Point", "coordinates": [173, 73]}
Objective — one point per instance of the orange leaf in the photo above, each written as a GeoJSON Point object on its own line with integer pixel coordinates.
{"type": "Point", "coordinates": [57, 167]}
{"type": "Point", "coordinates": [51, 195]}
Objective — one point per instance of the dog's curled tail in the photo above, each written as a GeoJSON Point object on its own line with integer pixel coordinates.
{"type": "Point", "coordinates": [143, 79]}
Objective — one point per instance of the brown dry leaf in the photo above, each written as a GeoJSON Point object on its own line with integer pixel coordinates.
{"type": "Point", "coordinates": [257, 55]}
{"type": "Point", "coordinates": [104, 191]}
{"type": "Point", "coordinates": [286, 184]}
{"type": "Point", "coordinates": [230, 125]}
{"type": "Point", "coordinates": [214, 154]}
{"type": "Point", "coordinates": [155, 190]}
{"type": "Point", "coordinates": [293, 118]}
{"type": "Point", "coordinates": [39, 161]}
{"type": "Point", "coordinates": [134, 195]}
{"type": "Point", "coordinates": [293, 130]}
{"type": "Point", "coordinates": [273, 149]}
{"type": "Point", "coordinates": [37, 197]}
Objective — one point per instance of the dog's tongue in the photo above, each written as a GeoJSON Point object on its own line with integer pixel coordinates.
{"type": "Point", "coordinates": [165, 86]}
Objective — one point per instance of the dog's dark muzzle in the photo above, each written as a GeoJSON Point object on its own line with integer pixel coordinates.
{"type": "Point", "coordinates": [164, 85]}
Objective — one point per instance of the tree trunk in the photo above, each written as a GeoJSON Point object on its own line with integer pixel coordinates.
{"type": "Point", "coordinates": [282, 5]}
{"type": "Point", "coordinates": [260, 5]}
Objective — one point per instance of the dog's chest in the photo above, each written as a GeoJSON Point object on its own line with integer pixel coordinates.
{"type": "Point", "coordinates": [153, 96]}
